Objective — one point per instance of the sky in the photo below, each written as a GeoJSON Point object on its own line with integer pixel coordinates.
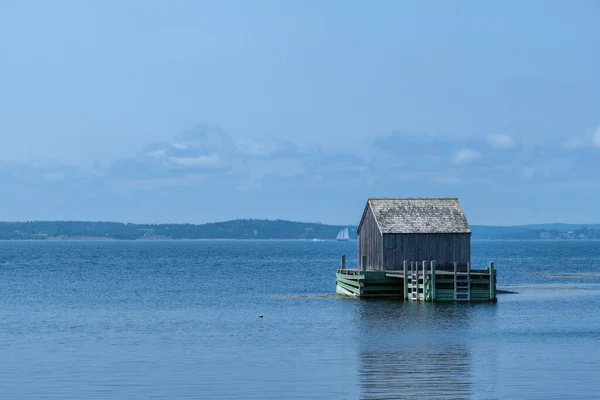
{"type": "Point", "coordinates": [200, 111]}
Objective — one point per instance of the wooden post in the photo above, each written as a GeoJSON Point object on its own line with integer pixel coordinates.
{"type": "Point", "coordinates": [469, 280]}
{"type": "Point", "coordinates": [455, 276]}
{"type": "Point", "coordinates": [412, 280]}
{"type": "Point", "coordinates": [364, 263]}
{"type": "Point", "coordinates": [404, 266]}
{"type": "Point", "coordinates": [416, 287]}
{"type": "Point", "coordinates": [424, 277]}
{"type": "Point", "coordinates": [343, 263]}
{"type": "Point", "coordinates": [492, 283]}
{"type": "Point", "coordinates": [433, 281]}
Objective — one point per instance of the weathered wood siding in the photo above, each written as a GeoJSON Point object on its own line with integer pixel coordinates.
{"type": "Point", "coordinates": [443, 248]}
{"type": "Point", "coordinates": [370, 242]}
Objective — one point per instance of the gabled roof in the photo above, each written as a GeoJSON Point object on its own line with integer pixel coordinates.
{"type": "Point", "coordinates": [417, 215]}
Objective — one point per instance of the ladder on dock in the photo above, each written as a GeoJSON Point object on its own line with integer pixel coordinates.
{"type": "Point", "coordinates": [462, 284]}
{"type": "Point", "coordinates": [418, 286]}
{"type": "Point", "coordinates": [412, 278]}
{"type": "Point", "coordinates": [428, 283]}
{"type": "Point", "coordinates": [414, 284]}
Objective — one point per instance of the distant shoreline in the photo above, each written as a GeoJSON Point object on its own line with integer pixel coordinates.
{"type": "Point", "coordinates": [257, 229]}
{"type": "Point", "coordinates": [109, 239]}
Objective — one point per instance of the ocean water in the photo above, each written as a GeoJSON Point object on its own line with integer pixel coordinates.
{"type": "Point", "coordinates": [179, 320]}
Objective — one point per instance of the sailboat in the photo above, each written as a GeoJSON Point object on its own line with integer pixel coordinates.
{"type": "Point", "coordinates": [343, 235]}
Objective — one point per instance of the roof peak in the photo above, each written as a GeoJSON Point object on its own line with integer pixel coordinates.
{"type": "Point", "coordinates": [417, 215]}
{"type": "Point", "coordinates": [413, 198]}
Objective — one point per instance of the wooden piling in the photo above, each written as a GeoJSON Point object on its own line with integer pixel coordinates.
{"type": "Point", "coordinates": [455, 279]}
{"type": "Point", "coordinates": [412, 280]}
{"type": "Point", "coordinates": [492, 283]}
{"type": "Point", "coordinates": [405, 270]}
{"type": "Point", "coordinates": [364, 263]}
{"type": "Point", "coordinates": [343, 262]}
{"type": "Point", "coordinates": [424, 278]}
{"type": "Point", "coordinates": [433, 281]}
{"type": "Point", "coordinates": [469, 281]}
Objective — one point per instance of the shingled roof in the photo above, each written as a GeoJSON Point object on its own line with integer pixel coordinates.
{"type": "Point", "coordinates": [418, 215]}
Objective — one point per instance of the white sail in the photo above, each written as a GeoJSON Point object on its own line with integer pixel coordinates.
{"type": "Point", "coordinates": [343, 234]}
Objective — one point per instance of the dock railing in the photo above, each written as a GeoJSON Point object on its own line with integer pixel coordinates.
{"type": "Point", "coordinates": [361, 268]}
{"type": "Point", "coordinates": [429, 266]}
{"type": "Point", "coordinates": [424, 280]}
{"type": "Point", "coordinates": [450, 267]}
{"type": "Point", "coordinates": [349, 271]}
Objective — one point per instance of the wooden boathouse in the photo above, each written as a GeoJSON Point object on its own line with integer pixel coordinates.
{"type": "Point", "coordinates": [417, 249]}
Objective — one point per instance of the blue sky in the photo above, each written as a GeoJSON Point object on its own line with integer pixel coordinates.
{"type": "Point", "coordinates": [190, 111]}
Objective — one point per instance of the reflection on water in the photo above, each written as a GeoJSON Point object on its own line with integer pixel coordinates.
{"type": "Point", "coordinates": [414, 350]}
{"type": "Point", "coordinates": [177, 320]}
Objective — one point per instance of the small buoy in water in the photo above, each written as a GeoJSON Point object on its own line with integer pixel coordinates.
{"type": "Point", "coordinates": [260, 316]}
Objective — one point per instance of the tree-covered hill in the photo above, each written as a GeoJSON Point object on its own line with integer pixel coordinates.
{"type": "Point", "coordinates": [257, 229]}
{"type": "Point", "coordinates": [236, 229]}
{"type": "Point", "coordinates": [539, 231]}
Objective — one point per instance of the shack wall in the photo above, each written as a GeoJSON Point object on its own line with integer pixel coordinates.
{"type": "Point", "coordinates": [370, 242]}
{"type": "Point", "coordinates": [443, 248]}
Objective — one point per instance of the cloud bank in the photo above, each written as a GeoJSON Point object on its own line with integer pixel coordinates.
{"type": "Point", "coordinates": [465, 156]}
{"type": "Point", "coordinates": [206, 164]}
{"type": "Point", "coordinates": [501, 142]}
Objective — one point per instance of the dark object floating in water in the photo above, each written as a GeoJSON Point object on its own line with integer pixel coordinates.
{"type": "Point", "coordinates": [260, 316]}
{"type": "Point", "coordinates": [500, 291]}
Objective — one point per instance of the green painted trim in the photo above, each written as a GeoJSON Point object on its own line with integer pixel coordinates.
{"type": "Point", "coordinates": [378, 284]}
{"type": "Point", "coordinates": [349, 281]}
{"type": "Point", "coordinates": [350, 289]}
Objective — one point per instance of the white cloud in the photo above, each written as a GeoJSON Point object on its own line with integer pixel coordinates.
{"type": "Point", "coordinates": [575, 143]}
{"type": "Point", "coordinates": [528, 172]}
{"type": "Point", "coordinates": [264, 147]}
{"type": "Point", "coordinates": [211, 160]}
{"type": "Point", "coordinates": [157, 153]}
{"type": "Point", "coordinates": [501, 141]}
{"type": "Point", "coordinates": [256, 148]}
{"type": "Point", "coordinates": [55, 176]}
{"type": "Point", "coordinates": [596, 138]}
{"type": "Point", "coordinates": [580, 142]}
{"type": "Point", "coordinates": [180, 146]}
{"type": "Point", "coordinates": [465, 156]}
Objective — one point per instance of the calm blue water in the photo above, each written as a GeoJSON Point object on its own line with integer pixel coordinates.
{"type": "Point", "coordinates": [179, 320]}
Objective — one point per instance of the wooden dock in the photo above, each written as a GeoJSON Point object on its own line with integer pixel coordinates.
{"type": "Point", "coordinates": [395, 233]}
{"type": "Point", "coordinates": [419, 281]}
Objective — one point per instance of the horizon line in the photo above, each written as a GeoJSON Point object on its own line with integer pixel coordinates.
{"type": "Point", "coordinates": [267, 220]}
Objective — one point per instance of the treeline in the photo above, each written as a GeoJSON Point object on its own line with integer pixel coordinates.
{"type": "Point", "coordinates": [255, 229]}
{"type": "Point", "coordinates": [552, 231]}
{"type": "Point", "coordinates": [236, 229]}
